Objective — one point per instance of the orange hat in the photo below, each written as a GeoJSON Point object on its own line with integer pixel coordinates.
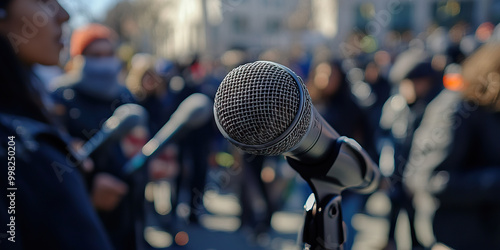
{"type": "Point", "coordinates": [84, 36]}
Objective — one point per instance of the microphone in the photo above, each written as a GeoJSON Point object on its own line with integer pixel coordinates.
{"type": "Point", "coordinates": [192, 113]}
{"type": "Point", "coordinates": [124, 119]}
{"type": "Point", "coordinates": [264, 108]}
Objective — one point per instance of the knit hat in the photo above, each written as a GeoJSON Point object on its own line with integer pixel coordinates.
{"type": "Point", "coordinates": [84, 36]}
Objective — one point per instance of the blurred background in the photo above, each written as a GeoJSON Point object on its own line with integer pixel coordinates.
{"type": "Point", "coordinates": [176, 29]}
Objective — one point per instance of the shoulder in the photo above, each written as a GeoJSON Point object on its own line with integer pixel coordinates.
{"type": "Point", "coordinates": [65, 80]}
{"type": "Point", "coordinates": [28, 133]}
{"type": "Point", "coordinates": [63, 89]}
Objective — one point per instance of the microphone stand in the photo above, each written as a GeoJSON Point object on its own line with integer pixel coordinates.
{"type": "Point", "coordinates": [323, 227]}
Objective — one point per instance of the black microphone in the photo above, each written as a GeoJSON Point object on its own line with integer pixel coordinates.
{"type": "Point", "coordinates": [192, 113]}
{"type": "Point", "coordinates": [264, 108]}
{"type": "Point", "coordinates": [123, 120]}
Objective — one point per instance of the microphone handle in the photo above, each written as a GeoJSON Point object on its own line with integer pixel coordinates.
{"type": "Point", "coordinates": [153, 146]}
{"type": "Point", "coordinates": [92, 145]}
{"type": "Point", "coordinates": [123, 120]}
{"type": "Point", "coordinates": [192, 113]}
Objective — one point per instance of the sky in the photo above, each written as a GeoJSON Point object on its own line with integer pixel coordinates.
{"type": "Point", "coordinates": [83, 11]}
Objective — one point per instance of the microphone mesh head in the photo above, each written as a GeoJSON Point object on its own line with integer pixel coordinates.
{"type": "Point", "coordinates": [258, 107]}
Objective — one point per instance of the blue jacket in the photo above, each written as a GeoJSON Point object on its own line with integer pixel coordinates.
{"type": "Point", "coordinates": [51, 207]}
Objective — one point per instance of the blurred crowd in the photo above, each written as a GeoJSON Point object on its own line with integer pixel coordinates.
{"type": "Point", "coordinates": [426, 109]}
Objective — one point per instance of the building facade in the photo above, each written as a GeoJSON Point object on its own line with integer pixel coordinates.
{"type": "Point", "coordinates": [378, 17]}
{"type": "Point", "coordinates": [211, 27]}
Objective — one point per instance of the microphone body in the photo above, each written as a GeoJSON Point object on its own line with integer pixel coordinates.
{"type": "Point", "coordinates": [264, 108]}
{"type": "Point", "coordinates": [124, 118]}
{"type": "Point", "coordinates": [339, 162]}
{"type": "Point", "coordinates": [192, 113]}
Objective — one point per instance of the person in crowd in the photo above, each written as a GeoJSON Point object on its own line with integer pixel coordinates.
{"type": "Point", "coordinates": [48, 206]}
{"type": "Point", "coordinates": [253, 186]}
{"type": "Point", "coordinates": [194, 148]}
{"type": "Point", "coordinates": [148, 80]}
{"type": "Point", "coordinates": [371, 90]}
{"type": "Point", "coordinates": [455, 164]}
{"type": "Point", "coordinates": [418, 83]}
{"type": "Point", "coordinates": [380, 90]}
{"type": "Point", "coordinates": [85, 97]}
{"type": "Point", "coordinates": [332, 97]}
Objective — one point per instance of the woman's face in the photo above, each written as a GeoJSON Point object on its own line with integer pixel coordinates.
{"type": "Point", "coordinates": [34, 28]}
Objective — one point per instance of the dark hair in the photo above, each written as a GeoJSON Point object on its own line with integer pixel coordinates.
{"type": "Point", "coordinates": [17, 96]}
{"type": "Point", "coordinates": [4, 3]}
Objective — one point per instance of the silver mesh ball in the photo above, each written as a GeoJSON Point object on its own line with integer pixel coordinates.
{"type": "Point", "coordinates": [257, 104]}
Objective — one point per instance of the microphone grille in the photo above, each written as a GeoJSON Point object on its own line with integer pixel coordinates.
{"type": "Point", "coordinates": [259, 107]}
